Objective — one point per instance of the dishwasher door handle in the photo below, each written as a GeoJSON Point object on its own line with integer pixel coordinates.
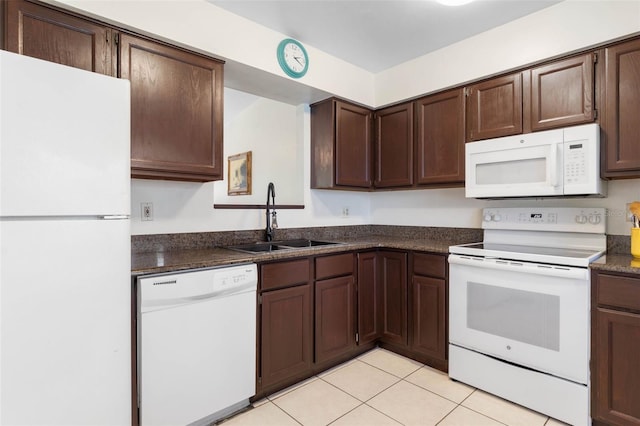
{"type": "Point", "coordinates": [150, 305]}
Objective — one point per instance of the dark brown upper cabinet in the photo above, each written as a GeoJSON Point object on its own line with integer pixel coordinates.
{"type": "Point", "coordinates": [620, 123]}
{"type": "Point", "coordinates": [440, 138]}
{"type": "Point", "coordinates": [341, 146]}
{"type": "Point", "coordinates": [494, 108]}
{"type": "Point", "coordinates": [394, 146]}
{"type": "Point", "coordinates": [176, 111]}
{"type": "Point", "coordinates": [43, 33]}
{"type": "Point", "coordinates": [561, 93]}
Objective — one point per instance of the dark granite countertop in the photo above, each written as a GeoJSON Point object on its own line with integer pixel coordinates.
{"type": "Point", "coordinates": [617, 263]}
{"type": "Point", "coordinates": [159, 261]}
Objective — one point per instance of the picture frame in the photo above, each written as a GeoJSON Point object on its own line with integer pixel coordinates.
{"type": "Point", "coordinates": [239, 174]}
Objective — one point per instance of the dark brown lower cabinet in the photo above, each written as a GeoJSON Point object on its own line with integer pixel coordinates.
{"type": "Point", "coordinates": [286, 335]}
{"type": "Point", "coordinates": [392, 275]}
{"type": "Point", "coordinates": [615, 351]}
{"type": "Point", "coordinates": [369, 298]}
{"type": "Point", "coordinates": [428, 317]}
{"type": "Point", "coordinates": [335, 318]}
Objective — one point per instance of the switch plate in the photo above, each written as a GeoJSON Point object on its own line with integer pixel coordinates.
{"type": "Point", "coordinates": [146, 211]}
{"type": "Point", "coordinates": [345, 212]}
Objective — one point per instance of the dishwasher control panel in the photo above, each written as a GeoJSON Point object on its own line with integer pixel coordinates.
{"type": "Point", "coordinates": [162, 291]}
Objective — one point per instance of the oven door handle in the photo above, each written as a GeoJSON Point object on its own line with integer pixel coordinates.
{"type": "Point", "coordinates": [522, 267]}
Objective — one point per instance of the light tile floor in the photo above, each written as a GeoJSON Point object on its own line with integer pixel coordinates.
{"type": "Point", "coordinates": [383, 388]}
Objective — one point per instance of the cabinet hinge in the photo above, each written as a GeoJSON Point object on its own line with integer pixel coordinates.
{"type": "Point", "coordinates": [357, 338]}
{"type": "Point", "coordinates": [467, 91]}
{"type": "Point", "coordinates": [259, 380]}
{"type": "Point", "coordinates": [260, 299]}
{"type": "Point", "coordinates": [595, 57]}
{"type": "Point", "coordinates": [595, 114]}
{"type": "Point", "coordinates": [116, 38]}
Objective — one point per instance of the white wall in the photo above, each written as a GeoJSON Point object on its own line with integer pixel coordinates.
{"type": "Point", "coordinates": [267, 128]}
{"type": "Point", "coordinates": [448, 207]}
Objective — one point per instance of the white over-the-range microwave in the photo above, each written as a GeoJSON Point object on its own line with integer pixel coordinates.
{"type": "Point", "coordinates": [559, 162]}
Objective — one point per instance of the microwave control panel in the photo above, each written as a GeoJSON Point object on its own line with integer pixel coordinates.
{"type": "Point", "coordinates": [575, 163]}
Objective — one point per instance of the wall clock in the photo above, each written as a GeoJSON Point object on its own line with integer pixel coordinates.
{"type": "Point", "coordinates": [293, 58]}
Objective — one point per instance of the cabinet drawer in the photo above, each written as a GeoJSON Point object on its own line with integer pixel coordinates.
{"type": "Point", "coordinates": [433, 265]}
{"type": "Point", "coordinates": [334, 266]}
{"type": "Point", "coordinates": [283, 274]}
{"type": "Point", "coordinates": [618, 291]}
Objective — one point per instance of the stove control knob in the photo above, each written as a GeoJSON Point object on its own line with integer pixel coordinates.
{"type": "Point", "coordinates": [581, 219]}
{"type": "Point", "coordinates": [594, 219]}
{"type": "Point", "coordinates": [488, 217]}
{"type": "Point", "coordinates": [497, 217]}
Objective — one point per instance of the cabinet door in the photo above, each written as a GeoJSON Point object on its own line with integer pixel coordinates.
{"type": "Point", "coordinates": [620, 123]}
{"type": "Point", "coordinates": [369, 298]}
{"type": "Point", "coordinates": [394, 146]}
{"type": "Point", "coordinates": [616, 378]}
{"type": "Point", "coordinates": [428, 319]}
{"type": "Point", "coordinates": [393, 283]}
{"type": "Point", "coordinates": [176, 111]}
{"type": "Point", "coordinates": [54, 36]}
{"type": "Point", "coordinates": [494, 108]}
{"type": "Point", "coordinates": [286, 339]}
{"type": "Point", "coordinates": [440, 138]}
{"type": "Point", "coordinates": [562, 93]}
{"type": "Point", "coordinates": [335, 318]}
{"type": "Point", "coordinates": [353, 146]}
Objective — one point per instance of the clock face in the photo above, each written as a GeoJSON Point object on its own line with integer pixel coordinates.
{"type": "Point", "coordinates": [293, 58]}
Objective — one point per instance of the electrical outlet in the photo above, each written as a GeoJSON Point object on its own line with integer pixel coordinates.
{"type": "Point", "coordinates": [345, 212]}
{"type": "Point", "coordinates": [628, 213]}
{"type": "Point", "coordinates": [146, 211]}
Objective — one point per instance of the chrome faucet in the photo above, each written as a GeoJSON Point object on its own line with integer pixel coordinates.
{"type": "Point", "coordinates": [272, 220]}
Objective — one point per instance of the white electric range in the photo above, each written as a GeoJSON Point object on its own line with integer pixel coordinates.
{"type": "Point", "coordinates": [519, 307]}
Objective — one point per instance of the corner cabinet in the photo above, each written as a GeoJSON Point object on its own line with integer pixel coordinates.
{"type": "Point", "coordinates": [394, 146]}
{"type": "Point", "coordinates": [615, 345]}
{"type": "Point", "coordinates": [392, 274]}
{"type": "Point", "coordinates": [176, 95]}
{"type": "Point", "coordinates": [428, 308]}
{"type": "Point", "coordinates": [620, 124]}
{"type": "Point", "coordinates": [341, 146]}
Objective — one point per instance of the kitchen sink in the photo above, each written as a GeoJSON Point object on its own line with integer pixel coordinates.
{"type": "Point", "coordinates": [258, 247]}
{"type": "Point", "coordinates": [265, 247]}
{"type": "Point", "coordinates": [303, 243]}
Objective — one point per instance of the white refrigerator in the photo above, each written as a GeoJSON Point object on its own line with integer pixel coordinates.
{"type": "Point", "coordinates": [65, 286]}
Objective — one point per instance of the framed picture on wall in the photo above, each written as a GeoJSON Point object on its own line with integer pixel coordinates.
{"type": "Point", "coordinates": [239, 174]}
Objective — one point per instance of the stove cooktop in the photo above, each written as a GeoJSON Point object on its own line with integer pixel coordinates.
{"type": "Point", "coordinates": [554, 255]}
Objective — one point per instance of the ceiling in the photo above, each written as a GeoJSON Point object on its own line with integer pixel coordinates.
{"type": "Point", "coordinates": [379, 34]}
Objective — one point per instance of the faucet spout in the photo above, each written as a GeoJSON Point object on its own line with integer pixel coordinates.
{"type": "Point", "coordinates": [271, 215]}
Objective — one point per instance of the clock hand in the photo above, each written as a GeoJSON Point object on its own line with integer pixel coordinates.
{"type": "Point", "coordinates": [297, 58]}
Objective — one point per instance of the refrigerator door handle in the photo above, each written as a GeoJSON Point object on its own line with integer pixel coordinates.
{"type": "Point", "coordinates": [114, 217]}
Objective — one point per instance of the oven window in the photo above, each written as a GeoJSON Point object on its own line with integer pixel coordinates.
{"type": "Point", "coordinates": [524, 316]}
{"type": "Point", "coordinates": [530, 170]}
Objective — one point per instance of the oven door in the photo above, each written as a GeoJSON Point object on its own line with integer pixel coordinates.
{"type": "Point", "coordinates": [534, 315]}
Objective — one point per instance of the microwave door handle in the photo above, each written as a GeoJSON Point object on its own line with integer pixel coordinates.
{"type": "Point", "coordinates": [553, 165]}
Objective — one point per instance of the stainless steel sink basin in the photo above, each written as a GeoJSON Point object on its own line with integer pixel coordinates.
{"type": "Point", "coordinates": [258, 247]}
{"type": "Point", "coordinates": [265, 247]}
{"type": "Point", "coordinates": [303, 243]}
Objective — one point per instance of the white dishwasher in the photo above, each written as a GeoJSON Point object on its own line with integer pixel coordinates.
{"type": "Point", "coordinates": [196, 344]}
